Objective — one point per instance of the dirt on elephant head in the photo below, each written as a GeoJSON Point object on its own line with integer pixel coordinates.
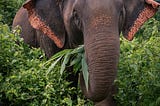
{"type": "Point", "coordinates": [144, 15]}
{"type": "Point", "coordinates": [39, 24]}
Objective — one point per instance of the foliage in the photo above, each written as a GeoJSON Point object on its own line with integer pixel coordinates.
{"type": "Point", "coordinates": [24, 79]}
{"type": "Point", "coordinates": [70, 57]}
{"type": "Point", "coordinates": [8, 9]}
{"type": "Point", "coordinates": [138, 78]}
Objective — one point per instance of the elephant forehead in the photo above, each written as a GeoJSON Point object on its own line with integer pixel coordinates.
{"type": "Point", "coordinates": [94, 4]}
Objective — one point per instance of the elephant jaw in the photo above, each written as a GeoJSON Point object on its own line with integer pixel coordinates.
{"type": "Point", "coordinates": [144, 15]}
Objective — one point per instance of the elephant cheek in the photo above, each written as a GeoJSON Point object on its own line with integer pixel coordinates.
{"type": "Point", "coordinates": [144, 15]}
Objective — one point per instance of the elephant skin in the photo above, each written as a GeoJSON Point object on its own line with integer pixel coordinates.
{"type": "Point", "coordinates": [95, 23]}
{"type": "Point", "coordinates": [28, 32]}
{"type": "Point", "coordinates": [32, 36]}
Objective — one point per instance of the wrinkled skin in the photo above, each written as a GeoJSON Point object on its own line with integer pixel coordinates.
{"type": "Point", "coordinates": [32, 36]}
{"type": "Point", "coordinates": [96, 24]}
{"type": "Point", "coordinates": [28, 32]}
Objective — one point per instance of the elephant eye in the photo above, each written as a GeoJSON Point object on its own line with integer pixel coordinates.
{"type": "Point", "coordinates": [76, 19]}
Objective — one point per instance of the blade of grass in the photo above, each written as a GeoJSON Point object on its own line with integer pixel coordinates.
{"type": "Point", "coordinates": [79, 49]}
{"type": "Point", "coordinates": [57, 55]}
{"type": "Point", "coordinates": [85, 72]}
{"type": "Point", "coordinates": [53, 65]}
{"type": "Point", "coordinates": [76, 60]}
{"type": "Point", "coordinates": [65, 61]}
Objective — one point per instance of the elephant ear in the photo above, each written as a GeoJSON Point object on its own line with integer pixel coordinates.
{"type": "Point", "coordinates": [137, 13]}
{"type": "Point", "coordinates": [45, 15]}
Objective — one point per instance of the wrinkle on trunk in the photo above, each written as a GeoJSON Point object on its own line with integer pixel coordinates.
{"type": "Point", "coordinates": [102, 53]}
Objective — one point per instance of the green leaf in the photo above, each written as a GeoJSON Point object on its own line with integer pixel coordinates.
{"type": "Point", "coordinates": [53, 65]}
{"type": "Point", "coordinates": [57, 55]}
{"type": "Point", "coordinates": [85, 72]}
{"type": "Point", "coordinates": [79, 49]}
{"type": "Point", "coordinates": [65, 61]}
{"type": "Point", "coordinates": [68, 101]}
{"type": "Point", "coordinates": [76, 60]}
{"type": "Point", "coordinates": [158, 101]}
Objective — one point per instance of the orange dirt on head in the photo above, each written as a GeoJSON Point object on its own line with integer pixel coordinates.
{"type": "Point", "coordinates": [37, 23]}
{"type": "Point", "coordinates": [145, 14]}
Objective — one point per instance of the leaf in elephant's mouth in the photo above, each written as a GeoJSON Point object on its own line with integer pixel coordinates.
{"type": "Point", "coordinates": [144, 15]}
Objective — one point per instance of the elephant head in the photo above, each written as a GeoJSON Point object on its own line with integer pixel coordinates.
{"type": "Point", "coordinates": [97, 24]}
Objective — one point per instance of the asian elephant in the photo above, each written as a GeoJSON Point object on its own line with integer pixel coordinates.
{"type": "Point", "coordinates": [97, 24]}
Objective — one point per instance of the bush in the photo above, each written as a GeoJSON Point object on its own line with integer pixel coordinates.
{"type": "Point", "coordinates": [8, 9]}
{"type": "Point", "coordinates": [24, 78]}
{"type": "Point", "coordinates": [139, 68]}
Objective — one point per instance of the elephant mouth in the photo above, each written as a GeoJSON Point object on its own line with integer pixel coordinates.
{"type": "Point", "coordinates": [144, 15]}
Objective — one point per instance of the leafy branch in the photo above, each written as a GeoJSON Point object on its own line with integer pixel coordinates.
{"type": "Point", "coordinates": [67, 58]}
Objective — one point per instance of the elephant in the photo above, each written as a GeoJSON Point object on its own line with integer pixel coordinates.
{"type": "Point", "coordinates": [95, 23]}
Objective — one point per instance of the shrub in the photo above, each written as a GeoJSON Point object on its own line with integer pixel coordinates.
{"type": "Point", "coordinates": [8, 10]}
{"type": "Point", "coordinates": [24, 78]}
{"type": "Point", "coordinates": [138, 78]}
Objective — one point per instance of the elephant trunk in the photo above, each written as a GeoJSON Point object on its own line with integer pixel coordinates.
{"type": "Point", "coordinates": [102, 54]}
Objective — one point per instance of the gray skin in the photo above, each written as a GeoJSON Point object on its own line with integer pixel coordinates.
{"type": "Point", "coordinates": [33, 37]}
{"type": "Point", "coordinates": [27, 32]}
{"type": "Point", "coordinates": [95, 23]}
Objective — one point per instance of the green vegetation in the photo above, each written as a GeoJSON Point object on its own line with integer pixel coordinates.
{"type": "Point", "coordinates": [8, 8]}
{"type": "Point", "coordinates": [70, 57]}
{"type": "Point", "coordinates": [139, 68]}
{"type": "Point", "coordinates": [28, 78]}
